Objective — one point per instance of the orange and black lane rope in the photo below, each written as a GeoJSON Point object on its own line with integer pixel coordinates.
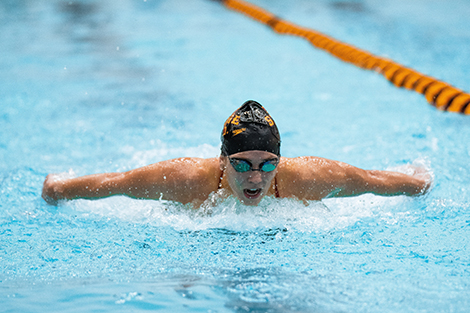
{"type": "Point", "coordinates": [438, 93]}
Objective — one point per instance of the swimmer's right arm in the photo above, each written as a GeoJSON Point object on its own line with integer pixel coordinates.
{"type": "Point", "coordinates": [86, 187]}
{"type": "Point", "coordinates": [182, 180]}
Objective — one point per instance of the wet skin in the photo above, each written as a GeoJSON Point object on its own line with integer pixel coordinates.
{"type": "Point", "coordinates": [192, 180]}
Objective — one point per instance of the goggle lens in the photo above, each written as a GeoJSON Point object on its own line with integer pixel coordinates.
{"type": "Point", "coordinates": [268, 167]}
{"type": "Point", "coordinates": [243, 166]}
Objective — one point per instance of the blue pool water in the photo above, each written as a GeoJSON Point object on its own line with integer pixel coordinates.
{"type": "Point", "coordinates": [98, 86]}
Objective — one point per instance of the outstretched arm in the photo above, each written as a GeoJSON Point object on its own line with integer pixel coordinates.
{"type": "Point", "coordinates": [95, 186]}
{"type": "Point", "coordinates": [317, 178]}
{"type": "Point", "coordinates": [384, 183]}
{"type": "Point", "coordinates": [183, 180]}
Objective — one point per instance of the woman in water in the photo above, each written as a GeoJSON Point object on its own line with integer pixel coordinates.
{"type": "Point", "coordinates": [250, 167]}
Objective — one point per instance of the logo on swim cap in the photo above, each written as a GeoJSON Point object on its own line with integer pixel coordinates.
{"type": "Point", "coordinates": [250, 127]}
{"type": "Point", "coordinates": [238, 131]}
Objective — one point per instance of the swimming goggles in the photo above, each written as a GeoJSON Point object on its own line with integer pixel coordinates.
{"type": "Point", "coordinates": [243, 166]}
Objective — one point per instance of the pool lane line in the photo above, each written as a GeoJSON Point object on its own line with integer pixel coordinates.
{"type": "Point", "coordinates": [439, 94]}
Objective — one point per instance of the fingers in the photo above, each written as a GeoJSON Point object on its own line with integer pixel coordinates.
{"type": "Point", "coordinates": [427, 179]}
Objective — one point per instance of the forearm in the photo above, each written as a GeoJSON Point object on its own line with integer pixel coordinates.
{"type": "Point", "coordinates": [392, 183]}
{"type": "Point", "coordinates": [384, 183]}
{"type": "Point", "coordinates": [93, 186]}
{"type": "Point", "coordinates": [88, 187]}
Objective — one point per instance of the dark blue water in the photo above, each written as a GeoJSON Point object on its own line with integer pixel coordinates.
{"type": "Point", "coordinates": [98, 86]}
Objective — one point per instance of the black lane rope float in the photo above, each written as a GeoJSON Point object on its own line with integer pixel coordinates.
{"type": "Point", "coordinates": [438, 93]}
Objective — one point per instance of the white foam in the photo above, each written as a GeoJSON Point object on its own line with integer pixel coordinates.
{"type": "Point", "coordinates": [63, 175]}
{"type": "Point", "coordinates": [228, 213]}
{"type": "Point", "coordinates": [315, 216]}
{"type": "Point", "coordinates": [420, 168]}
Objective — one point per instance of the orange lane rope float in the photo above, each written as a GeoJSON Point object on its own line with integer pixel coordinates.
{"type": "Point", "coordinates": [440, 94]}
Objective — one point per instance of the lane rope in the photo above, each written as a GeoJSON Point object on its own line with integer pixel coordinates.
{"type": "Point", "coordinates": [438, 93]}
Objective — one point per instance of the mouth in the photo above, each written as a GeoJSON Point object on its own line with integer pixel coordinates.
{"type": "Point", "coordinates": [252, 193]}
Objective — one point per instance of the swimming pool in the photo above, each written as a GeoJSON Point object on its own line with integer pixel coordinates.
{"type": "Point", "coordinates": [96, 86]}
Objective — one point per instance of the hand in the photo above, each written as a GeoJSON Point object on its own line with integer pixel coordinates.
{"type": "Point", "coordinates": [419, 169]}
{"type": "Point", "coordinates": [52, 189]}
{"type": "Point", "coordinates": [425, 175]}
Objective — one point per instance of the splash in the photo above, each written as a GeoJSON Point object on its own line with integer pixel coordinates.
{"type": "Point", "coordinates": [221, 211]}
{"type": "Point", "coordinates": [420, 168]}
{"type": "Point", "coordinates": [230, 214]}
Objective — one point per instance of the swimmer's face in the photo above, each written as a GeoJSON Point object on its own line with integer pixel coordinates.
{"type": "Point", "coordinates": [250, 186]}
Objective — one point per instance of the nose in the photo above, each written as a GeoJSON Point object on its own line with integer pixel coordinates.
{"type": "Point", "coordinates": [255, 177]}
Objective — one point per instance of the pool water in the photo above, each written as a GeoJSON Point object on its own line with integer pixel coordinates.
{"type": "Point", "coordinates": [101, 86]}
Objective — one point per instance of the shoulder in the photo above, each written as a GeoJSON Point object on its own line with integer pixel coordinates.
{"type": "Point", "coordinates": [177, 171]}
{"type": "Point", "coordinates": [190, 168]}
{"type": "Point", "coordinates": [199, 167]}
{"type": "Point", "coordinates": [305, 166]}
{"type": "Point", "coordinates": [196, 178]}
{"type": "Point", "coordinates": [182, 179]}
{"type": "Point", "coordinates": [309, 177]}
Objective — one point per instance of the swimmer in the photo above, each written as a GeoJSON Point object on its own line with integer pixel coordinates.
{"type": "Point", "coordinates": [249, 168]}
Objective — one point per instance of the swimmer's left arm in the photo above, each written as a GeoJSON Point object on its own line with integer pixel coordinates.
{"type": "Point", "coordinates": [313, 178]}
{"type": "Point", "coordinates": [384, 183]}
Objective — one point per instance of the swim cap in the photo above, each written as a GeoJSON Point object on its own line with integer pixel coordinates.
{"type": "Point", "coordinates": [250, 127]}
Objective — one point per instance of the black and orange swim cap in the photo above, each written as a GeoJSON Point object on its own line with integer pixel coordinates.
{"type": "Point", "coordinates": [250, 127]}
